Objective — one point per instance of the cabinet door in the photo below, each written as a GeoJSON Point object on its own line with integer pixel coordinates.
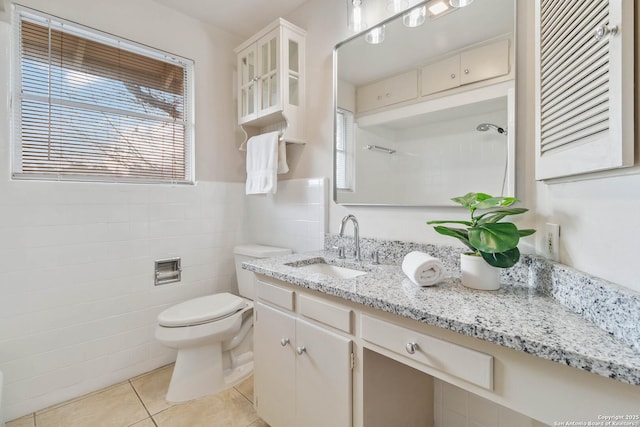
{"type": "Point", "coordinates": [484, 62]}
{"type": "Point", "coordinates": [393, 90]}
{"type": "Point", "coordinates": [323, 377]}
{"type": "Point", "coordinates": [247, 87]}
{"type": "Point", "coordinates": [584, 87]}
{"type": "Point", "coordinates": [269, 60]}
{"type": "Point", "coordinates": [274, 366]}
{"type": "Point", "coordinates": [441, 75]}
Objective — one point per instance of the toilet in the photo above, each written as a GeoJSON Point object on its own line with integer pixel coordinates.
{"type": "Point", "coordinates": [213, 334]}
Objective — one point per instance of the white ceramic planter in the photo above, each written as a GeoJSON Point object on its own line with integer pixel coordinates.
{"type": "Point", "coordinates": [477, 274]}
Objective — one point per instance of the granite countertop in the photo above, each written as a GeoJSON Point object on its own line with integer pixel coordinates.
{"type": "Point", "coordinates": [517, 316]}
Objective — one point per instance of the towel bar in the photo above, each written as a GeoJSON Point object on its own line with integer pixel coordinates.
{"type": "Point", "coordinates": [377, 147]}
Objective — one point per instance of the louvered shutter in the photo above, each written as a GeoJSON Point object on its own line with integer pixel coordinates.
{"type": "Point", "coordinates": [584, 86]}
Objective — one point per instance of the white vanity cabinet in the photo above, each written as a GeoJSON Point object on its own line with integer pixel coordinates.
{"type": "Point", "coordinates": [270, 78]}
{"type": "Point", "coordinates": [303, 371]}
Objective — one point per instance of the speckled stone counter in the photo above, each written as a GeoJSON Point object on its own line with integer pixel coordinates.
{"type": "Point", "coordinates": [520, 316]}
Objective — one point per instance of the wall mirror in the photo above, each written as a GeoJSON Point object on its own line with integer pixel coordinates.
{"type": "Point", "coordinates": [424, 106]}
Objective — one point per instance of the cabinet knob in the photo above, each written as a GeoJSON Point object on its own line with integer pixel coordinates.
{"type": "Point", "coordinates": [603, 30]}
{"type": "Point", "coordinates": [301, 350]}
{"type": "Point", "coordinates": [388, 95]}
{"type": "Point", "coordinates": [411, 347]}
{"type": "Point", "coordinates": [466, 71]}
{"type": "Point", "coordinates": [284, 341]}
{"type": "Point", "coordinates": [255, 79]}
{"type": "Point", "coordinates": [453, 76]}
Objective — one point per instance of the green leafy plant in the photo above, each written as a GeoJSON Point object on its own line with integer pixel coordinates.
{"type": "Point", "coordinates": [496, 242]}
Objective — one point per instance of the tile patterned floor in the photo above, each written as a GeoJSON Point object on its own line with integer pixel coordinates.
{"type": "Point", "coordinates": [140, 402]}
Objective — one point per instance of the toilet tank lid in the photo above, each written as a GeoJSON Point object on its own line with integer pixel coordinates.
{"type": "Point", "coordinates": [260, 251]}
{"type": "Point", "coordinates": [201, 310]}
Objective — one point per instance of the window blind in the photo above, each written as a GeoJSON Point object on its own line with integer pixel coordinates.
{"type": "Point", "coordinates": [95, 107]}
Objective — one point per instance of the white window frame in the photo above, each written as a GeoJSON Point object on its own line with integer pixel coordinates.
{"type": "Point", "coordinates": [109, 40]}
{"type": "Point", "coordinates": [345, 132]}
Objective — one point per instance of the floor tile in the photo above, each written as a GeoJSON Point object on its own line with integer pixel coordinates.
{"type": "Point", "coordinates": [116, 406]}
{"type": "Point", "coordinates": [144, 423]}
{"type": "Point", "coordinates": [228, 408]}
{"type": "Point", "coordinates": [246, 388]}
{"type": "Point", "coordinates": [152, 389]}
{"type": "Point", "coordinates": [26, 421]}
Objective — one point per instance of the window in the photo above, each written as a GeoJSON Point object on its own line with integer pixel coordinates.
{"type": "Point", "coordinates": [92, 107]}
{"type": "Point", "coordinates": [344, 150]}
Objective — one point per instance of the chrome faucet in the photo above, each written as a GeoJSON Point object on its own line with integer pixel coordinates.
{"type": "Point", "coordinates": [356, 233]}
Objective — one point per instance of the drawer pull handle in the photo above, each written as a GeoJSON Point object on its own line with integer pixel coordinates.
{"type": "Point", "coordinates": [301, 350]}
{"type": "Point", "coordinates": [284, 341]}
{"type": "Point", "coordinates": [411, 347]}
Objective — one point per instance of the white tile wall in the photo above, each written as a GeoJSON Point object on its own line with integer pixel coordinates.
{"type": "Point", "coordinates": [295, 217]}
{"type": "Point", "coordinates": [455, 407]}
{"type": "Point", "coordinates": [78, 305]}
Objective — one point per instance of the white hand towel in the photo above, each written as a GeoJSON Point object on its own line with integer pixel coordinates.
{"type": "Point", "coordinates": [423, 269]}
{"type": "Point", "coordinates": [262, 163]}
{"type": "Point", "coordinates": [283, 167]}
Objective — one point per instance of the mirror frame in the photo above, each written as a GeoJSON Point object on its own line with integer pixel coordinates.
{"type": "Point", "coordinates": [511, 114]}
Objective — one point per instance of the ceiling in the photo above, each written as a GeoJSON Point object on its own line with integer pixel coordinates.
{"type": "Point", "coordinates": [240, 17]}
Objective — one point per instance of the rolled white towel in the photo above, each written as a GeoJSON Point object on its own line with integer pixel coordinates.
{"type": "Point", "coordinates": [423, 269]}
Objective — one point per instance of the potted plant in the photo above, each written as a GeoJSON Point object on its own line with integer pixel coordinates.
{"type": "Point", "coordinates": [493, 244]}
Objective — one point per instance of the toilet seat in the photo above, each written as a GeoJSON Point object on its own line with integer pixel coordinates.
{"type": "Point", "coordinates": [201, 310]}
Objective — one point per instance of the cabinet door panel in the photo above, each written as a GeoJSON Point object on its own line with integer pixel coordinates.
{"type": "Point", "coordinates": [441, 75]}
{"type": "Point", "coordinates": [402, 87]}
{"type": "Point", "coordinates": [484, 62]}
{"type": "Point", "coordinates": [323, 378]}
{"type": "Point", "coordinates": [274, 366]}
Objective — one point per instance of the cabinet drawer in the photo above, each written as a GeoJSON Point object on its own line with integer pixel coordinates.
{"type": "Point", "coordinates": [402, 87]}
{"type": "Point", "coordinates": [324, 312]}
{"type": "Point", "coordinates": [275, 295]}
{"type": "Point", "coordinates": [464, 363]}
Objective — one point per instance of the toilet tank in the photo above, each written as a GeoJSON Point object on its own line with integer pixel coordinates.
{"type": "Point", "coordinates": [246, 278]}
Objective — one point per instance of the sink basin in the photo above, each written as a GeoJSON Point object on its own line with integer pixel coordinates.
{"type": "Point", "coordinates": [332, 270]}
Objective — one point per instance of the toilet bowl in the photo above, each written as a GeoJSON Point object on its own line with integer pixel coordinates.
{"type": "Point", "coordinates": [213, 334]}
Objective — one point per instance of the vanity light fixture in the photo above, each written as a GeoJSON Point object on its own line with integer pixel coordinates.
{"type": "Point", "coordinates": [435, 9]}
{"type": "Point", "coordinates": [375, 35]}
{"type": "Point", "coordinates": [460, 3]}
{"type": "Point", "coordinates": [415, 17]}
{"type": "Point", "coordinates": [356, 23]}
{"type": "Point", "coordinates": [396, 6]}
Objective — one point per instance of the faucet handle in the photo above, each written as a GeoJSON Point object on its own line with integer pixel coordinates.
{"type": "Point", "coordinates": [375, 257]}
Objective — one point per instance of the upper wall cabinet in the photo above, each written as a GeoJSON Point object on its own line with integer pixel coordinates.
{"type": "Point", "coordinates": [584, 86]}
{"type": "Point", "coordinates": [271, 81]}
{"type": "Point", "coordinates": [469, 66]}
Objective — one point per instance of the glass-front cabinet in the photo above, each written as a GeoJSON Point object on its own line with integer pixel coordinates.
{"type": "Point", "coordinates": [271, 81]}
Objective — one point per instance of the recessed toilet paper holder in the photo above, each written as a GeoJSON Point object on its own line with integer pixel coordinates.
{"type": "Point", "coordinates": [167, 271]}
